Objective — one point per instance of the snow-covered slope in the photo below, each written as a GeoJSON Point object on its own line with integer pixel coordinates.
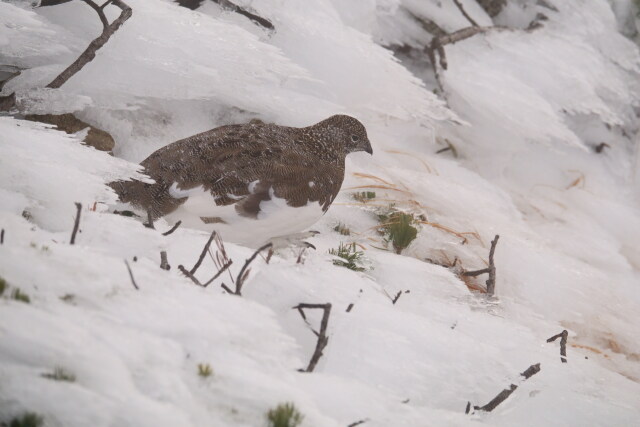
{"type": "Point", "coordinates": [523, 111]}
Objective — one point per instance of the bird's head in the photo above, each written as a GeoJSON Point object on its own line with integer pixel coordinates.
{"type": "Point", "coordinates": [346, 131]}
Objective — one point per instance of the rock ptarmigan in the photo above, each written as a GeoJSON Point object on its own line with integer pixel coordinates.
{"type": "Point", "coordinates": [250, 182]}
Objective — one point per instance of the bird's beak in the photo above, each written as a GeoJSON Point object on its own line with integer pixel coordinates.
{"type": "Point", "coordinates": [368, 149]}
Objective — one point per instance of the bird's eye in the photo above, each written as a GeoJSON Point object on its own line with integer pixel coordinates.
{"type": "Point", "coordinates": [354, 138]}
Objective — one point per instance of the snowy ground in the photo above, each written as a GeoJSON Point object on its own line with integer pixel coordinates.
{"type": "Point", "coordinates": [524, 111]}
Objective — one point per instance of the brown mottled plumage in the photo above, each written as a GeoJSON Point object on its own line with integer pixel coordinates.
{"type": "Point", "coordinates": [246, 165]}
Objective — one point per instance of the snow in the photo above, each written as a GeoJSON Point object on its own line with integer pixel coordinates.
{"type": "Point", "coordinates": [524, 111]}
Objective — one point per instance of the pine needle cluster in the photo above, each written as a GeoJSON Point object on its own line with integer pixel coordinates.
{"type": "Point", "coordinates": [351, 257]}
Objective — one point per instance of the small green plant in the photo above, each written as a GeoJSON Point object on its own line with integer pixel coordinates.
{"type": "Point", "coordinates": [284, 415]}
{"type": "Point", "coordinates": [351, 257]}
{"type": "Point", "coordinates": [364, 196]}
{"type": "Point", "coordinates": [18, 295]}
{"type": "Point", "coordinates": [60, 374]}
{"type": "Point", "coordinates": [342, 229]}
{"type": "Point", "coordinates": [397, 227]}
{"type": "Point", "coordinates": [205, 370]}
{"type": "Point", "coordinates": [28, 419]}
{"type": "Point", "coordinates": [3, 286]}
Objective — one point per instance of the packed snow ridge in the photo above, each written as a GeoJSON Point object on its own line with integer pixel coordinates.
{"type": "Point", "coordinates": [508, 140]}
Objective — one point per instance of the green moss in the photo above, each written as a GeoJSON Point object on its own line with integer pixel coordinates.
{"type": "Point", "coordinates": [364, 196]}
{"type": "Point", "coordinates": [28, 419]}
{"type": "Point", "coordinates": [18, 295]}
{"type": "Point", "coordinates": [204, 370]}
{"type": "Point", "coordinates": [397, 227]}
{"type": "Point", "coordinates": [284, 415]}
{"type": "Point", "coordinates": [342, 229]}
{"type": "Point", "coordinates": [60, 374]}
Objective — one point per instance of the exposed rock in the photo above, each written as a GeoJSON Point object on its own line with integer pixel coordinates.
{"type": "Point", "coordinates": [97, 138]}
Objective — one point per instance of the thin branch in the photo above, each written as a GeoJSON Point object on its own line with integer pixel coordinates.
{"type": "Point", "coordinates": [396, 298]}
{"type": "Point", "coordinates": [357, 423]}
{"type": "Point", "coordinates": [174, 228]}
{"type": "Point", "coordinates": [491, 281]}
{"type": "Point", "coordinates": [76, 223]}
{"type": "Point", "coordinates": [164, 262]}
{"type": "Point", "coordinates": [99, 10]}
{"type": "Point", "coordinates": [242, 276]}
{"type": "Point", "coordinates": [563, 344]}
{"type": "Point", "coordinates": [349, 307]}
{"type": "Point", "coordinates": [133, 281]}
{"type": "Point", "coordinates": [203, 253]}
{"type": "Point", "coordinates": [90, 52]}
{"type": "Point", "coordinates": [226, 4]}
{"type": "Point", "coordinates": [504, 394]}
{"type": "Point", "coordinates": [464, 12]}
{"type": "Point", "coordinates": [2, 237]}
{"type": "Point", "coordinates": [323, 340]}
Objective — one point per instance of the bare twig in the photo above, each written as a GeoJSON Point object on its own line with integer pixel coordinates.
{"type": "Point", "coordinates": [242, 276]}
{"type": "Point", "coordinates": [504, 394]}
{"type": "Point", "coordinates": [221, 269]}
{"type": "Point", "coordinates": [133, 281]}
{"type": "Point", "coordinates": [164, 262]}
{"type": "Point", "coordinates": [226, 4]}
{"type": "Point", "coordinates": [349, 307]}
{"type": "Point", "coordinates": [203, 253]}
{"type": "Point", "coordinates": [464, 12]}
{"type": "Point", "coordinates": [2, 237]}
{"type": "Point", "coordinates": [396, 298]}
{"type": "Point", "coordinates": [322, 334]}
{"type": "Point", "coordinates": [76, 223]}
{"type": "Point", "coordinates": [491, 281]}
{"type": "Point", "coordinates": [90, 52]}
{"type": "Point", "coordinates": [357, 423]}
{"type": "Point", "coordinates": [600, 147]}
{"type": "Point", "coordinates": [172, 229]}
{"type": "Point", "coordinates": [563, 344]}
{"type": "Point", "coordinates": [9, 101]}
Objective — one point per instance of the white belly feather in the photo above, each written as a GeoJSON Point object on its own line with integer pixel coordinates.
{"type": "Point", "coordinates": [275, 217]}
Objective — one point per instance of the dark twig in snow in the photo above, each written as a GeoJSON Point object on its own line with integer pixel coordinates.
{"type": "Point", "coordinates": [357, 423]}
{"type": "Point", "coordinates": [76, 223]}
{"type": "Point", "coordinates": [322, 334]}
{"type": "Point", "coordinates": [90, 52]}
{"type": "Point", "coordinates": [164, 262]}
{"type": "Point", "coordinates": [349, 307]}
{"type": "Point", "coordinates": [563, 344]}
{"type": "Point", "coordinates": [2, 237]}
{"type": "Point", "coordinates": [396, 298]}
{"type": "Point", "coordinates": [9, 101]}
{"type": "Point", "coordinates": [174, 228]}
{"type": "Point", "coordinates": [203, 253]}
{"type": "Point", "coordinates": [133, 281]}
{"type": "Point", "coordinates": [226, 4]}
{"type": "Point", "coordinates": [190, 273]}
{"type": "Point", "coordinates": [491, 281]}
{"type": "Point", "coordinates": [244, 273]}
{"type": "Point", "coordinates": [468, 408]}
{"type": "Point", "coordinates": [600, 147]}
{"type": "Point", "coordinates": [464, 12]}
{"type": "Point", "coordinates": [504, 394]}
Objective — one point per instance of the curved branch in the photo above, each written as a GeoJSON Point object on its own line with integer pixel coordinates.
{"type": "Point", "coordinates": [90, 52]}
